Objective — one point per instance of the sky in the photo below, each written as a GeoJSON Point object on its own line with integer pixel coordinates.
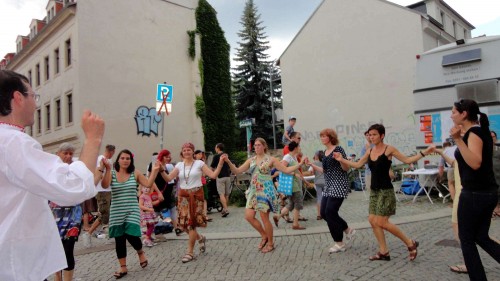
{"type": "Point", "coordinates": [282, 19]}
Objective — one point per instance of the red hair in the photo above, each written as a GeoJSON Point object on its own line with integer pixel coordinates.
{"type": "Point", "coordinates": [163, 153]}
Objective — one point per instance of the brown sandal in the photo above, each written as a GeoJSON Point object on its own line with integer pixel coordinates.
{"type": "Point", "coordinates": [380, 257]}
{"type": "Point", "coordinates": [268, 248]}
{"type": "Point", "coordinates": [144, 263]}
{"type": "Point", "coordinates": [120, 274]}
{"type": "Point", "coordinates": [413, 250]}
{"type": "Point", "coordinates": [262, 243]}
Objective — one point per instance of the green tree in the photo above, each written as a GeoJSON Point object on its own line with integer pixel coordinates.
{"type": "Point", "coordinates": [218, 119]}
{"type": "Point", "coordinates": [251, 77]}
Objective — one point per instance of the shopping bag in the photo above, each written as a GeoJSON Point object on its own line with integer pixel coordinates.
{"type": "Point", "coordinates": [285, 183]}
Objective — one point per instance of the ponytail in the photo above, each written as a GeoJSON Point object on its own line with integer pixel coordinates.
{"type": "Point", "coordinates": [484, 122]}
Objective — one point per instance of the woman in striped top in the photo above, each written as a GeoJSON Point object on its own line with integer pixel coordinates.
{"type": "Point", "coordinates": [124, 221]}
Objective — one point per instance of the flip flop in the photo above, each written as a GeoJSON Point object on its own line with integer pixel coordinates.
{"type": "Point", "coordinates": [459, 268]}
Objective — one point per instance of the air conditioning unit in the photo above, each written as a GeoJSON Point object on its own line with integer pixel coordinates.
{"type": "Point", "coordinates": [482, 92]}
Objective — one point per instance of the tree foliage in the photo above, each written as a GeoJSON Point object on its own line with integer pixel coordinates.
{"type": "Point", "coordinates": [218, 121]}
{"type": "Point", "coordinates": [251, 87]}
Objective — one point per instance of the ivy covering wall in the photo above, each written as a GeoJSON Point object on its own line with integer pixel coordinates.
{"type": "Point", "coordinates": [216, 108]}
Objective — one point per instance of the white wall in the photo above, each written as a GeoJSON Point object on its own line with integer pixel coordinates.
{"type": "Point", "coordinates": [350, 66]}
{"type": "Point", "coordinates": [126, 48]}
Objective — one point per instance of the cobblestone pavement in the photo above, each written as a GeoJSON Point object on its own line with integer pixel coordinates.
{"type": "Point", "coordinates": [299, 255]}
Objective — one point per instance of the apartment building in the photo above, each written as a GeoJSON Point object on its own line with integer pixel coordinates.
{"type": "Point", "coordinates": [109, 56]}
{"type": "Point", "coordinates": [355, 62]}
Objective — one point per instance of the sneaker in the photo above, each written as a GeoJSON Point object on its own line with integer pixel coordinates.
{"type": "Point", "coordinates": [101, 236]}
{"type": "Point", "coordinates": [87, 243]}
{"type": "Point", "coordinates": [337, 248]}
{"type": "Point", "coordinates": [349, 237]}
{"type": "Point", "coordinates": [148, 243]}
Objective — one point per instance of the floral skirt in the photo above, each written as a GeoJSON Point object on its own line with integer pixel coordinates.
{"type": "Point", "coordinates": [262, 197]}
{"type": "Point", "coordinates": [190, 209]}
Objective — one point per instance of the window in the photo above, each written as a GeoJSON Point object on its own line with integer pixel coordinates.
{"type": "Point", "coordinates": [29, 77]}
{"type": "Point", "coordinates": [37, 78]}
{"type": "Point", "coordinates": [69, 102]}
{"type": "Point", "coordinates": [453, 32]}
{"type": "Point", "coordinates": [465, 33]}
{"type": "Point", "coordinates": [38, 121]}
{"type": "Point", "coordinates": [442, 18]}
{"type": "Point", "coordinates": [56, 61]}
{"type": "Point", "coordinates": [58, 113]}
{"type": "Point", "coordinates": [47, 68]}
{"type": "Point", "coordinates": [47, 115]}
{"type": "Point", "coordinates": [68, 52]}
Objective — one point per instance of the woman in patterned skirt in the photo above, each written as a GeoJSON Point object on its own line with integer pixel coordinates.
{"type": "Point", "coordinates": [124, 221]}
{"type": "Point", "coordinates": [191, 213]}
{"type": "Point", "coordinates": [261, 195]}
{"type": "Point", "coordinates": [382, 197]}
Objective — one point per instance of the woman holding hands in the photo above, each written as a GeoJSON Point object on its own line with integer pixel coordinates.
{"type": "Point", "coordinates": [191, 213]}
{"type": "Point", "coordinates": [382, 198]}
{"type": "Point", "coordinates": [261, 195]}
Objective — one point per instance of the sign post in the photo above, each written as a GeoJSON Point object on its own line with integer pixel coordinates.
{"type": "Point", "coordinates": [164, 97]}
{"type": "Point", "coordinates": [247, 124]}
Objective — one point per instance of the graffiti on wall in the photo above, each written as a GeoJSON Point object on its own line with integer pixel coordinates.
{"type": "Point", "coordinates": [147, 120]}
{"type": "Point", "coordinates": [351, 138]}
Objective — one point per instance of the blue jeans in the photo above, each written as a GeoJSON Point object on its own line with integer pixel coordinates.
{"type": "Point", "coordinates": [329, 211]}
{"type": "Point", "coordinates": [474, 219]}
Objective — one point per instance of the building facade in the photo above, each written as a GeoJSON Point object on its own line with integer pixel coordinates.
{"type": "Point", "coordinates": [109, 56]}
{"type": "Point", "coordinates": [355, 63]}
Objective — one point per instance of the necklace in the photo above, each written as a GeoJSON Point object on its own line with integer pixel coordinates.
{"type": "Point", "coordinates": [12, 125]}
{"type": "Point", "coordinates": [189, 172]}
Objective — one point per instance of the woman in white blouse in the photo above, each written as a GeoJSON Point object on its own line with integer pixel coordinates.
{"type": "Point", "coordinates": [190, 198]}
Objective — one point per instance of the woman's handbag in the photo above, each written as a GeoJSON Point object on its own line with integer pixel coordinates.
{"type": "Point", "coordinates": [285, 183]}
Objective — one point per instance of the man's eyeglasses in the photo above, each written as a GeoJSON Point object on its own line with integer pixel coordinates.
{"type": "Point", "coordinates": [35, 96]}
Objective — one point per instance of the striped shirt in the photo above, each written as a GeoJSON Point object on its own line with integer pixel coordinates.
{"type": "Point", "coordinates": [124, 213]}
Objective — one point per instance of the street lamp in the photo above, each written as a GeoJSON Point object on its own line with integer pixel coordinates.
{"type": "Point", "coordinates": [271, 71]}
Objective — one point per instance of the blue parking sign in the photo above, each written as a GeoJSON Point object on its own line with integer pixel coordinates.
{"type": "Point", "coordinates": [164, 89]}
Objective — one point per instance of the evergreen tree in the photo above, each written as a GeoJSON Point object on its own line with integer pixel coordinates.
{"type": "Point", "coordinates": [251, 76]}
{"type": "Point", "coordinates": [218, 119]}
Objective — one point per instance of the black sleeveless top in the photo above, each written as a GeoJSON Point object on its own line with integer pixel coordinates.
{"type": "Point", "coordinates": [380, 172]}
{"type": "Point", "coordinates": [482, 179]}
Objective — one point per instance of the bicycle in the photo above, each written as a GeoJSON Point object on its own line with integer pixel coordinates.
{"type": "Point", "coordinates": [238, 189]}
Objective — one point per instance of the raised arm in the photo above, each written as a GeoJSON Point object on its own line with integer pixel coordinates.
{"type": "Point", "coordinates": [471, 152]}
{"type": "Point", "coordinates": [213, 174]}
{"type": "Point", "coordinates": [170, 176]}
{"type": "Point", "coordinates": [347, 163]}
{"type": "Point", "coordinates": [409, 159]}
{"type": "Point", "coordinates": [147, 182]}
{"type": "Point", "coordinates": [241, 169]}
{"type": "Point", "coordinates": [93, 129]}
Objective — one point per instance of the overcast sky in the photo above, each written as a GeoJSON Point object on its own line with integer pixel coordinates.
{"type": "Point", "coordinates": [282, 19]}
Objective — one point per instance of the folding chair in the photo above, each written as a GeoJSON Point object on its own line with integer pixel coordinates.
{"type": "Point", "coordinates": [361, 174]}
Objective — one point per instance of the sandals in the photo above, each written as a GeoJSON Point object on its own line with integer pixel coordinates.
{"type": "Point", "coordinates": [120, 274]}
{"type": "Point", "coordinates": [288, 220]}
{"type": "Point", "coordinates": [319, 218]}
{"type": "Point", "coordinates": [303, 219]}
{"type": "Point", "coordinates": [144, 263]}
{"type": "Point", "coordinates": [276, 220]}
{"type": "Point", "coordinates": [380, 257]}
{"type": "Point", "coordinates": [459, 268]}
{"type": "Point", "coordinates": [202, 241]}
{"type": "Point", "coordinates": [178, 232]}
{"type": "Point", "coordinates": [267, 249]}
{"type": "Point", "coordinates": [187, 258]}
{"type": "Point", "coordinates": [263, 243]}
{"type": "Point", "coordinates": [413, 250]}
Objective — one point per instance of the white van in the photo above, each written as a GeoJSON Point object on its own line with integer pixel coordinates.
{"type": "Point", "coordinates": [467, 69]}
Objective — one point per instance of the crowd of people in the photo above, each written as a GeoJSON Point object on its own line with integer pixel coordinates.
{"type": "Point", "coordinates": [61, 191]}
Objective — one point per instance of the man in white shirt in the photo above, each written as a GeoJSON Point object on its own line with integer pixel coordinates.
{"type": "Point", "coordinates": [103, 196]}
{"type": "Point", "coordinates": [30, 245]}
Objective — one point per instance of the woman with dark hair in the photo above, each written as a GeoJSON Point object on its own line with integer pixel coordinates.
{"type": "Point", "coordinates": [479, 189]}
{"type": "Point", "coordinates": [124, 220]}
{"type": "Point", "coordinates": [382, 197]}
{"type": "Point", "coordinates": [336, 190]}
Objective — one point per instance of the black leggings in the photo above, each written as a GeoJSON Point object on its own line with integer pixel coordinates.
{"type": "Point", "coordinates": [69, 246]}
{"type": "Point", "coordinates": [330, 212]}
{"type": "Point", "coordinates": [121, 244]}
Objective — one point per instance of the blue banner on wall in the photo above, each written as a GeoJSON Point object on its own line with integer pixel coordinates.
{"type": "Point", "coordinates": [436, 128]}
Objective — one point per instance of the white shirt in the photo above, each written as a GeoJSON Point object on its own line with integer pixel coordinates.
{"type": "Point", "coordinates": [30, 246]}
{"type": "Point", "coordinates": [99, 186]}
{"type": "Point", "coordinates": [170, 168]}
{"type": "Point", "coordinates": [450, 152]}
{"type": "Point", "coordinates": [190, 176]}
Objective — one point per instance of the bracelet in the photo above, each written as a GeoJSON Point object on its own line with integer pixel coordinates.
{"type": "Point", "coordinates": [102, 171]}
{"type": "Point", "coordinates": [421, 153]}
